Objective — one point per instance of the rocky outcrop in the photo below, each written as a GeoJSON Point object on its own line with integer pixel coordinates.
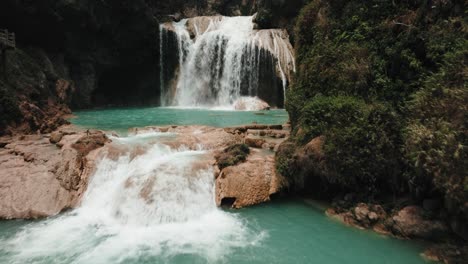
{"type": "Point", "coordinates": [42, 175]}
{"type": "Point", "coordinates": [412, 222]}
{"type": "Point", "coordinates": [409, 222]}
{"type": "Point", "coordinates": [244, 176]}
{"type": "Point", "coordinates": [249, 183]}
{"type": "Point", "coordinates": [268, 137]}
{"type": "Point", "coordinates": [255, 180]}
{"type": "Point", "coordinates": [192, 137]}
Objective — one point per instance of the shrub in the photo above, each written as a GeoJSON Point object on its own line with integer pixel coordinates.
{"type": "Point", "coordinates": [436, 138]}
{"type": "Point", "coordinates": [386, 84]}
{"type": "Point", "coordinates": [232, 155]}
{"type": "Point", "coordinates": [361, 140]}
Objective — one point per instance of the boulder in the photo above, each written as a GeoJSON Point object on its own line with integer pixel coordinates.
{"type": "Point", "coordinates": [248, 183]}
{"type": "Point", "coordinates": [361, 212]}
{"type": "Point", "coordinates": [251, 104]}
{"type": "Point", "coordinates": [368, 215]}
{"type": "Point", "coordinates": [90, 142]}
{"type": "Point", "coordinates": [56, 137]}
{"type": "Point", "coordinates": [411, 222]}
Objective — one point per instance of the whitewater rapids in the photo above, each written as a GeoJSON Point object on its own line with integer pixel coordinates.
{"type": "Point", "coordinates": [157, 207]}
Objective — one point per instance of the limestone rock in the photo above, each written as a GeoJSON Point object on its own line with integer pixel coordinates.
{"type": "Point", "coordinates": [56, 137]}
{"type": "Point", "coordinates": [37, 179]}
{"type": "Point", "coordinates": [193, 137]}
{"type": "Point", "coordinates": [361, 212]}
{"type": "Point", "coordinates": [248, 183]}
{"type": "Point", "coordinates": [411, 222]}
{"type": "Point", "coordinates": [254, 142]}
{"type": "Point", "coordinates": [251, 104]}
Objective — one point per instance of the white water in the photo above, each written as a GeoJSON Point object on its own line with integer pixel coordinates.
{"type": "Point", "coordinates": [220, 60]}
{"type": "Point", "coordinates": [153, 205]}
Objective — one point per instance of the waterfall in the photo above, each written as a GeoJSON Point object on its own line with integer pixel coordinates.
{"type": "Point", "coordinates": [220, 59]}
{"type": "Point", "coordinates": [146, 199]}
{"type": "Point", "coordinates": [161, 64]}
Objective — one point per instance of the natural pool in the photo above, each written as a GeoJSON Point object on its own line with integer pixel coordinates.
{"type": "Point", "coordinates": [121, 120]}
{"type": "Point", "coordinates": [281, 232]}
{"type": "Point", "coordinates": [181, 224]}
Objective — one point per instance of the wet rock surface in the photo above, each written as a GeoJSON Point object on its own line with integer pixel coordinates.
{"type": "Point", "coordinates": [39, 178]}
{"type": "Point", "coordinates": [255, 180]}
{"type": "Point", "coordinates": [242, 179]}
{"type": "Point", "coordinates": [251, 104]}
{"type": "Point", "coordinates": [249, 183]}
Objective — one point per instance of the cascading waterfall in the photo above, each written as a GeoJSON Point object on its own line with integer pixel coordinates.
{"type": "Point", "coordinates": [220, 59]}
{"type": "Point", "coordinates": [151, 201]}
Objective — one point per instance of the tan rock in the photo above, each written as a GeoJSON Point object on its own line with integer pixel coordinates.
{"type": "Point", "coordinates": [373, 216]}
{"type": "Point", "coordinates": [56, 137]}
{"type": "Point", "coordinates": [248, 183]}
{"type": "Point", "coordinates": [37, 179]}
{"type": "Point", "coordinates": [193, 137]}
{"type": "Point", "coordinates": [411, 222]}
{"type": "Point", "coordinates": [254, 142]}
{"type": "Point", "coordinates": [361, 212]}
{"type": "Point", "coordinates": [251, 104]}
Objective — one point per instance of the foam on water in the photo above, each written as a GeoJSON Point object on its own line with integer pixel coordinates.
{"type": "Point", "coordinates": [155, 205]}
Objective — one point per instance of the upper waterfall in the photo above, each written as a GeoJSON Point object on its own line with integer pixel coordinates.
{"type": "Point", "coordinates": [214, 61]}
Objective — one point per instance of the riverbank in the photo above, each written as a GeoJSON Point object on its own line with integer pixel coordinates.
{"type": "Point", "coordinates": [54, 171]}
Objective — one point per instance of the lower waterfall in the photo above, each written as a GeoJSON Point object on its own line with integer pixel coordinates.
{"type": "Point", "coordinates": [151, 200]}
{"type": "Point", "coordinates": [214, 61]}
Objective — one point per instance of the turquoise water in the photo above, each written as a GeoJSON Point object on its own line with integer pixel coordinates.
{"type": "Point", "coordinates": [292, 232]}
{"type": "Point", "coordinates": [301, 233]}
{"type": "Point", "coordinates": [114, 225]}
{"type": "Point", "coordinates": [122, 119]}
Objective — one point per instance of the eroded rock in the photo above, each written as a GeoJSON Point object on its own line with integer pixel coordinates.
{"type": "Point", "coordinates": [251, 104]}
{"type": "Point", "coordinates": [411, 222]}
{"type": "Point", "coordinates": [249, 183]}
{"type": "Point", "coordinates": [37, 179]}
{"type": "Point", "coordinates": [56, 137]}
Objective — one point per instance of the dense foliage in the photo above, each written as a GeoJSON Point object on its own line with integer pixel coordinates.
{"type": "Point", "coordinates": [385, 83]}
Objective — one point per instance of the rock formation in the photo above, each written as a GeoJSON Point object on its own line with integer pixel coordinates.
{"type": "Point", "coordinates": [249, 183]}
{"type": "Point", "coordinates": [246, 178]}
{"type": "Point", "coordinates": [251, 104]}
{"type": "Point", "coordinates": [42, 175]}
